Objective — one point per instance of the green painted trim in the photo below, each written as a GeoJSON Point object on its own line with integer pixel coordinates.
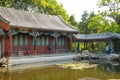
{"type": "Point", "coordinates": [100, 47]}
{"type": "Point", "coordinates": [75, 47]}
{"type": "Point", "coordinates": [111, 47]}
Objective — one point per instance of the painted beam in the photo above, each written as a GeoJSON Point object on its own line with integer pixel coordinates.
{"type": "Point", "coordinates": [4, 25]}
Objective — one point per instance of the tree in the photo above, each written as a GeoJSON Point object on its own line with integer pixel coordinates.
{"type": "Point", "coordinates": [42, 6]}
{"type": "Point", "coordinates": [17, 4]}
{"type": "Point", "coordinates": [72, 21]}
{"type": "Point", "coordinates": [100, 24]}
{"type": "Point", "coordinates": [85, 20]}
{"type": "Point", "coordinates": [114, 9]}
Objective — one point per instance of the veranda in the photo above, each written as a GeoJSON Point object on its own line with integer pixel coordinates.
{"type": "Point", "coordinates": [102, 40]}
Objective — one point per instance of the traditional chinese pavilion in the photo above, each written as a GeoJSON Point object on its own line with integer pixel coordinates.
{"type": "Point", "coordinates": [36, 33]}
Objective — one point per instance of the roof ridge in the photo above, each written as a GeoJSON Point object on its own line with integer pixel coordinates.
{"type": "Point", "coordinates": [27, 11]}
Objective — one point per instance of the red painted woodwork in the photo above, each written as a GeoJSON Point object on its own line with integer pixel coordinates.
{"type": "Point", "coordinates": [10, 50]}
{"type": "Point", "coordinates": [10, 43]}
{"type": "Point", "coordinates": [50, 41]}
{"type": "Point", "coordinates": [8, 39]}
{"type": "Point", "coordinates": [6, 46]}
{"type": "Point", "coordinates": [56, 45]}
{"type": "Point", "coordinates": [41, 49]}
{"type": "Point", "coordinates": [4, 25]}
{"type": "Point", "coordinates": [35, 44]}
{"type": "Point", "coordinates": [62, 49]}
{"type": "Point", "coordinates": [30, 43]}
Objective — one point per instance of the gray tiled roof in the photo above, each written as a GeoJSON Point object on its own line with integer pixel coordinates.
{"type": "Point", "coordinates": [20, 18]}
{"type": "Point", "coordinates": [101, 36]}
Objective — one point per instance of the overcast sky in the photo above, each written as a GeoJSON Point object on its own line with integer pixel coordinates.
{"type": "Point", "coordinates": [76, 7]}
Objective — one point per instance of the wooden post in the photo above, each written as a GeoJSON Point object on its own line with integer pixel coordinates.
{"type": "Point", "coordinates": [75, 47]}
{"type": "Point", "coordinates": [100, 47]}
{"type": "Point", "coordinates": [84, 45]}
{"type": "Point", "coordinates": [10, 43]}
{"type": "Point", "coordinates": [78, 47]}
{"type": "Point", "coordinates": [56, 44]}
{"type": "Point", "coordinates": [30, 43]}
{"type": "Point", "coordinates": [110, 46]}
{"type": "Point", "coordinates": [71, 44]}
{"type": "Point", "coordinates": [50, 45]}
{"type": "Point", "coordinates": [92, 47]}
{"type": "Point", "coordinates": [117, 46]}
{"type": "Point", "coordinates": [35, 51]}
{"type": "Point", "coordinates": [3, 47]}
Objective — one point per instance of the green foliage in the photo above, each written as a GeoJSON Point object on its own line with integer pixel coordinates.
{"type": "Point", "coordinates": [108, 20]}
{"type": "Point", "coordinates": [42, 6]}
{"type": "Point", "coordinates": [72, 21]}
{"type": "Point", "coordinates": [85, 20]}
{"type": "Point", "coordinates": [100, 24]}
{"type": "Point", "coordinates": [114, 9]}
{"type": "Point", "coordinates": [17, 4]}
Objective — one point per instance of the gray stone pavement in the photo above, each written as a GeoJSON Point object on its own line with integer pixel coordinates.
{"type": "Point", "coordinates": [40, 58]}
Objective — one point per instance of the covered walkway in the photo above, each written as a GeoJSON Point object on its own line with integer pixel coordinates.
{"type": "Point", "coordinates": [111, 39]}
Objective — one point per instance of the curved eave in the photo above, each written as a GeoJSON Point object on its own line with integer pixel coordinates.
{"type": "Point", "coordinates": [91, 40]}
{"type": "Point", "coordinates": [4, 23]}
{"type": "Point", "coordinates": [24, 19]}
{"type": "Point", "coordinates": [3, 19]}
{"type": "Point", "coordinates": [75, 30]}
{"type": "Point", "coordinates": [35, 28]}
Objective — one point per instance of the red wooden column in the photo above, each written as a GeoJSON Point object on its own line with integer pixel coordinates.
{"type": "Point", "coordinates": [6, 47]}
{"type": "Point", "coordinates": [30, 43]}
{"type": "Point", "coordinates": [56, 51]}
{"type": "Point", "coordinates": [10, 43]}
{"type": "Point", "coordinates": [71, 44]}
{"type": "Point", "coordinates": [35, 50]}
{"type": "Point", "coordinates": [56, 42]}
{"type": "Point", "coordinates": [50, 44]}
{"type": "Point", "coordinates": [65, 42]}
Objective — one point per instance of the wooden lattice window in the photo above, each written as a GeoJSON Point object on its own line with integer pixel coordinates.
{"type": "Point", "coordinates": [20, 40]}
